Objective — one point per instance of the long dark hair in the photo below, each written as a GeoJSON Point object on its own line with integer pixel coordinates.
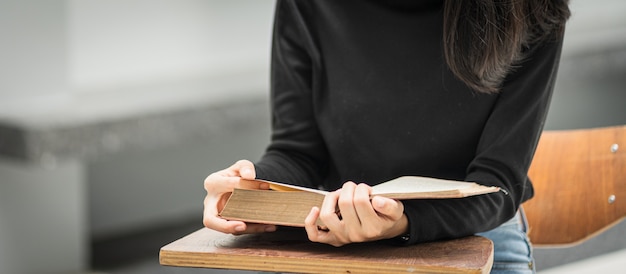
{"type": "Point", "coordinates": [484, 39]}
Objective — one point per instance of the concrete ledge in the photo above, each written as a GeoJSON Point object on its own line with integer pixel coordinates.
{"type": "Point", "coordinates": [92, 123]}
{"type": "Point", "coordinates": [89, 141]}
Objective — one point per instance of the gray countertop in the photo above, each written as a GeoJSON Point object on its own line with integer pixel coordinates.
{"type": "Point", "coordinates": [91, 124]}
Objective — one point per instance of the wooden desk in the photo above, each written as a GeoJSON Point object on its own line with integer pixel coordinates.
{"type": "Point", "coordinates": [288, 250]}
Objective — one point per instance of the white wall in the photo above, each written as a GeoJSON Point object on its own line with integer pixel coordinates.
{"type": "Point", "coordinates": [33, 51]}
{"type": "Point", "coordinates": [120, 42]}
{"type": "Point", "coordinates": [81, 61]}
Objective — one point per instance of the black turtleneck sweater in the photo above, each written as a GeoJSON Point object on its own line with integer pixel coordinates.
{"type": "Point", "coordinates": [360, 91]}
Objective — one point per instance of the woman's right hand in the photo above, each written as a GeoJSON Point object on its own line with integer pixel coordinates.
{"type": "Point", "coordinates": [219, 186]}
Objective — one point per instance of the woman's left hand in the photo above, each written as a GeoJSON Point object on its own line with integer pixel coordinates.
{"type": "Point", "coordinates": [360, 219]}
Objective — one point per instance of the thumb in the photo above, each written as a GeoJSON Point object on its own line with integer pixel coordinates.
{"type": "Point", "coordinates": [246, 169]}
{"type": "Point", "coordinates": [388, 207]}
{"type": "Point", "coordinates": [247, 173]}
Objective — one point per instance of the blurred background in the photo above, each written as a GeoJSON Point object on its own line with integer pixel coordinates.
{"type": "Point", "coordinates": [112, 113]}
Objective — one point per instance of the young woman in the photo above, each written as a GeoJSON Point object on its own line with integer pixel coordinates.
{"type": "Point", "coordinates": [366, 91]}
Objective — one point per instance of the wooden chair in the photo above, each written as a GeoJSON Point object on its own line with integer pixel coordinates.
{"type": "Point", "coordinates": [579, 178]}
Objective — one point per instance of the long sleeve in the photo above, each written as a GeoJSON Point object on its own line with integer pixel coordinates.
{"type": "Point", "coordinates": [503, 155]}
{"type": "Point", "coordinates": [360, 91]}
{"type": "Point", "coordinates": [297, 153]}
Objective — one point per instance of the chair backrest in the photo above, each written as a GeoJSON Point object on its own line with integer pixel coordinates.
{"type": "Point", "coordinates": [579, 178]}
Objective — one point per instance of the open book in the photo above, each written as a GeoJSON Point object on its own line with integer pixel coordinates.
{"type": "Point", "coordinates": [289, 205]}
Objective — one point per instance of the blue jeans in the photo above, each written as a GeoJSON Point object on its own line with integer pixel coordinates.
{"type": "Point", "coordinates": [512, 249]}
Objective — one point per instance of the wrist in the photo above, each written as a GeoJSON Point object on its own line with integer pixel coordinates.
{"type": "Point", "coordinates": [401, 228]}
{"type": "Point", "coordinates": [403, 234]}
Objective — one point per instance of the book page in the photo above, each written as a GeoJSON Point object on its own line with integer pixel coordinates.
{"type": "Point", "coordinates": [287, 187]}
{"type": "Point", "coordinates": [408, 187]}
{"type": "Point", "coordinates": [407, 184]}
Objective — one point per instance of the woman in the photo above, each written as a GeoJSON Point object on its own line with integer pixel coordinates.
{"type": "Point", "coordinates": [366, 91]}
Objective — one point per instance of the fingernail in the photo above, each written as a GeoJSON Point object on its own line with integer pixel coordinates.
{"type": "Point", "coordinates": [270, 228]}
{"type": "Point", "coordinates": [240, 228]}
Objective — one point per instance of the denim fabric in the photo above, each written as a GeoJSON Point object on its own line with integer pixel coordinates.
{"type": "Point", "coordinates": [512, 249]}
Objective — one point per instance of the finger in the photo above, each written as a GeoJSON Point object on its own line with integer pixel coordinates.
{"type": "Point", "coordinates": [225, 226]}
{"type": "Point", "coordinates": [346, 203]}
{"type": "Point", "coordinates": [310, 224]}
{"type": "Point", "coordinates": [256, 228]}
{"type": "Point", "coordinates": [219, 182]}
{"type": "Point", "coordinates": [235, 227]}
{"type": "Point", "coordinates": [317, 235]}
{"type": "Point", "coordinates": [214, 204]}
{"type": "Point", "coordinates": [252, 184]}
{"type": "Point", "coordinates": [363, 205]}
{"type": "Point", "coordinates": [245, 169]}
{"type": "Point", "coordinates": [389, 208]}
{"type": "Point", "coordinates": [213, 221]}
{"type": "Point", "coordinates": [328, 211]}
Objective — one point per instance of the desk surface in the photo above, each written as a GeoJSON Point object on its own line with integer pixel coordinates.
{"type": "Point", "coordinates": [288, 250]}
